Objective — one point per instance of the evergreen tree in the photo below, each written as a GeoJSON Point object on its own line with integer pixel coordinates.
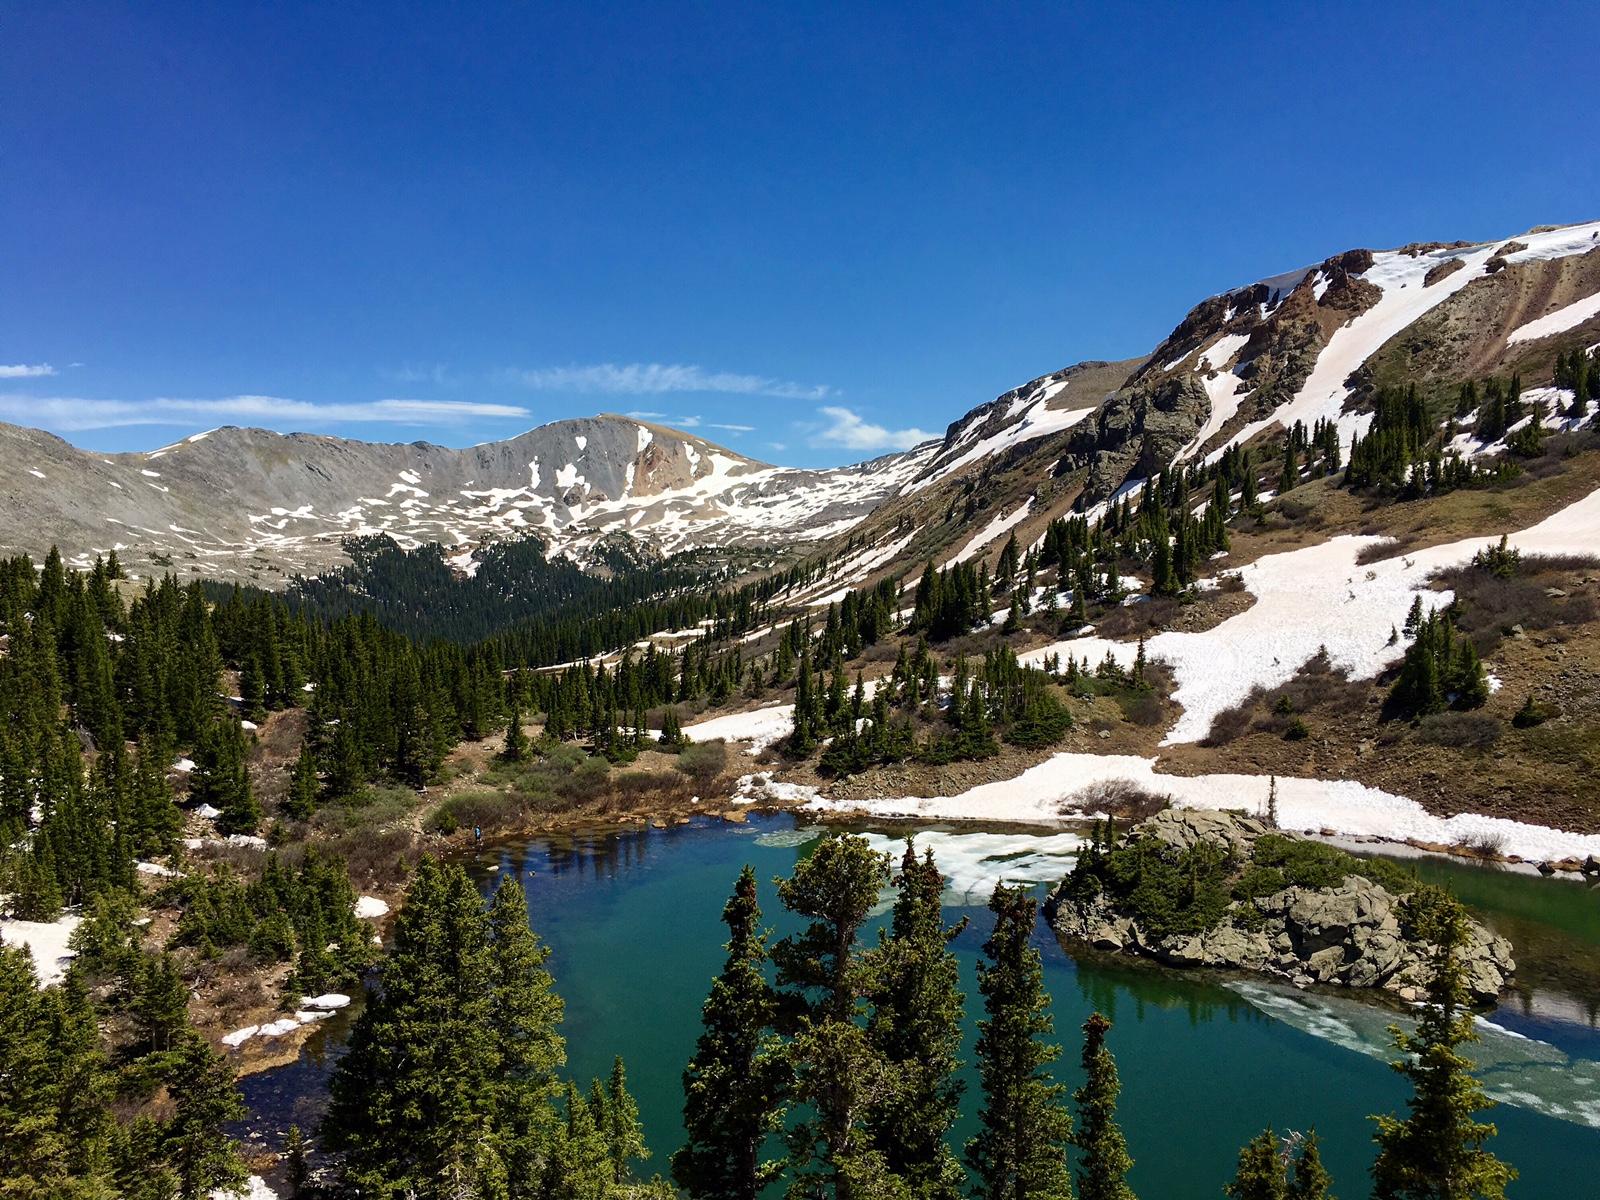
{"type": "Point", "coordinates": [301, 801]}
{"type": "Point", "coordinates": [202, 1157]}
{"type": "Point", "coordinates": [1437, 1151]}
{"type": "Point", "coordinates": [1261, 1174]}
{"type": "Point", "coordinates": [1105, 1163]}
{"type": "Point", "coordinates": [1019, 1152]}
{"type": "Point", "coordinates": [734, 1086]}
{"type": "Point", "coordinates": [915, 1027]}
{"type": "Point", "coordinates": [1310, 1180]}
{"type": "Point", "coordinates": [295, 1169]}
{"type": "Point", "coordinates": [516, 739]}
{"type": "Point", "coordinates": [838, 1074]}
{"type": "Point", "coordinates": [408, 1103]}
{"type": "Point", "coordinates": [617, 1117]}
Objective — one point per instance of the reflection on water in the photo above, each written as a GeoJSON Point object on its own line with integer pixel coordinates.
{"type": "Point", "coordinates": [972, 863]}
{"type": "Point", "coordinates": [1515, 1068]}
{"type": "Point", "coordinates": [632, 920]}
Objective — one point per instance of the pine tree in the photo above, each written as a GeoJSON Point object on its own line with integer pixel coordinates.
{"type": "Point", "coordinates": [301, 801]}
{"type": "Point", "coordinates": [617, 1117]}
{"type": "Point", "coordinates": [1105, 1163]}
{"type": "Point", "coordinates": [201, 1155]}
{"type": "Point", "coordinates": [837, 1072]}
{"type": "Point", "coordinates": [408, 1102]}
{"type": "Point", "coordinates": [296, 1170]}
{"type": "Point", "coordinates": [1019, 1152]}
{"type": "Point", "coordinates": [1310, 1180]}
{"type": "Point", "coordinates": [1261, 1174]}
{"type": "Point", "coordinates": [1437, 1151]}
{"type": "Point", "coordinates": [915, 1027]}
{"type": "Point", "coordinates": [516, 738]}
{"type": "Point", "coordinates": [734, 1086]}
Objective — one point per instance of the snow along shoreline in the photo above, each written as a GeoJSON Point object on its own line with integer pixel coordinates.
{"type": "Point", "coordinates": [1067, 786]}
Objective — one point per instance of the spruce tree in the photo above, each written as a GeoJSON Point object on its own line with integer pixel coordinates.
{"type": "Point", "coordinates": [1437, 1151]}
{"type": "Point", "coordinates": [516, 739]}
{"type": "Point", "coordinates": [1261, 1174]}
{"type": "Point", "coordinates": [202, 1157]}
{"type": "Point", "coordinates": [1310, 1180]}
{"type": "Point", "coordinates": [1019, 1152]}
{"type": "Point", "coordinates": [915, 1027]}
{"type": "Point", "coordinates": [1104, 1163]}
{"type": "Point", "coordinates": [734, 1086]}
{"type": "Point", "coordinates": [409, 1102]}
{"type": "Point", "coordinates": [838, 1074]}
{"type": "Point", "coordinates": [301, 801]}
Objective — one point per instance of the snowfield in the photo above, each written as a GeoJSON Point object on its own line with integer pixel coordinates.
{"type": "Point", "coordinates": [1560, 321]}
{"type": "Point", "coordinates": [992, 532]}
{"type": "Point", "coordinates": [1063, 786]}
{"type": "Point", "coordinates": [1313, 598]}
{"type": "Point", "coordinates": [759, 728]}
{"type": "Point", "coordinates": [46, 941]}
{"type": "Point", "coordinates": [1404, 301]}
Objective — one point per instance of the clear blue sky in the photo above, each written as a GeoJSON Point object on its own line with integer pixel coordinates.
{"type": "Point", "coordinates": [812, 230]}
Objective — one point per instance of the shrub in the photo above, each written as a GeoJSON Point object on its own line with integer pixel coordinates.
{"type": "Point", "coordinates": [703, 762]}
{"type": "Point", "coordinates": [1534, 713]}
{"type": "Point", "coordinates": [483, 809]}
{"type": "Point", "coordinates": [1460, 730]}
{"type": "Point", "coordinates": [1119, 798]}
{"type": "Point", "coordinates": [1140, 707]}
{"type": "Point", "coordinates": [1485, 845]}
{"type": "Point", "coordinates": [1229, 724]}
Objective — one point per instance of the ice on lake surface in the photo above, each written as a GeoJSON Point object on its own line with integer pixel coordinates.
{"type": "Point", "coordinates": [972, 863]}
{"type": "Point", "coordinates": [1515, 1069]}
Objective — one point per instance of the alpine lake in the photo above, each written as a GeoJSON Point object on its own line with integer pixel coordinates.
{"type": "Point", "coordinates": [632, 918]}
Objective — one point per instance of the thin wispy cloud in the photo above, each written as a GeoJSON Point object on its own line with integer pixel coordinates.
{"type": "Point", "coordinates": [637, 415]}
{"type": "Point", "coordinates": [733, 428]}
{"type": "Point", "coordinates": [657, 379]}
{"type": "Point", "coordinates": [76, 413]}
{"type": "Point", "coordinates": [25, 370]}
{"type": "Point", "coordinates": [844, 428]}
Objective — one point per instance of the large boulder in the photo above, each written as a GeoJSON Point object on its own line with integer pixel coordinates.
{"type": "Point", "coordinates": [1349, 935]}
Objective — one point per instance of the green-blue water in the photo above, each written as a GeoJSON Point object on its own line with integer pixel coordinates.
{"type": "Point", "coordinates": [633, 922]}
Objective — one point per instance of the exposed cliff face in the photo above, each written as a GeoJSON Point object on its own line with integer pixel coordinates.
{"type": "Point", "coordinates": [1350, 934]}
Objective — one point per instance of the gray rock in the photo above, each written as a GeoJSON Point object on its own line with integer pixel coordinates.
{"type": "Point", "coordinates": [1349, 935]}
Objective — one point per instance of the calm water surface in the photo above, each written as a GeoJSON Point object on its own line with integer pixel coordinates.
{"type": "Point", "coordinates": [633, 923]}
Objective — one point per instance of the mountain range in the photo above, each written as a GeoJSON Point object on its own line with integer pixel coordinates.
{"type": "Point", "coordinates": [1308, 345]}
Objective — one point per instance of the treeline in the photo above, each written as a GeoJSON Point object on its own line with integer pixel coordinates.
{"type": "Point", "coordinates": [537, 610]}
{"type": "Point", "coordinates": [838, 1052]}
{"type": "Point", "coordinates": [98, 696]}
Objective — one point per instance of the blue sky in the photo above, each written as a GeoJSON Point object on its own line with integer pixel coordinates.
{"type": "Point", "coordinates": [810, 232]}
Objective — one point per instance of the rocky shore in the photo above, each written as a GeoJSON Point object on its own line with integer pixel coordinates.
{"type": "Point", "coordinates": [1346, 934]}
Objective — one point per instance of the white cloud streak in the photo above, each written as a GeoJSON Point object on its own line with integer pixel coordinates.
{"type": "Point", "coordinates": [654, 379]}
{"type": "Point", "coordinates": [25, 370]}
{"type": "Point", "coordinates": [846, 429]}
{"type": "Point", "coordinates": [75, 413]}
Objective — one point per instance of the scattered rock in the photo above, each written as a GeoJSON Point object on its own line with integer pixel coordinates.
{"type": "Point", "coordinates": [1349, 935]}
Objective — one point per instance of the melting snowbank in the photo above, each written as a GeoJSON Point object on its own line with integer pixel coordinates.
{"type": "Point", "coordinates": [46, 941]}
{"type": "Point", "coordinates": [972, 863]}
{"type": "Point", "coordinates": [760, 727]}
{"type": "Point", "coordinates": [1057, 787]}
{"type": "Point", "coordinates": [1313, 598]}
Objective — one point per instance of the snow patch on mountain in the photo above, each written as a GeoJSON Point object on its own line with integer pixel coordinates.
{"type": "Point", "coordinates": [1563, 319]}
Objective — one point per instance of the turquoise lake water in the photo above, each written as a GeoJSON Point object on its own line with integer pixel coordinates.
{"type": "Point", "coordinates": [632, 919]}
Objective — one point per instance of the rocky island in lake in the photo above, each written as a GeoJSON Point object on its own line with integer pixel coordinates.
{"type": "Point", "coordinates": [1193, 888]}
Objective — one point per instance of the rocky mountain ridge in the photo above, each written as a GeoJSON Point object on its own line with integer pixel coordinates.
{"type": "Point", "coordinates": [1308, 345]}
